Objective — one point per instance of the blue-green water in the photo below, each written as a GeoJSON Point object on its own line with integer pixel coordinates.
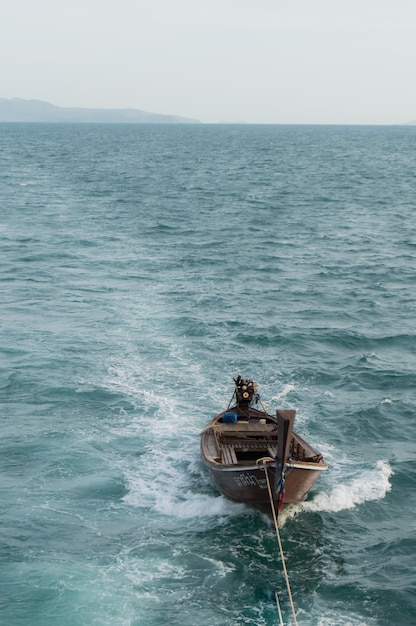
{"type": "Point", "coordinates": [141, 268]}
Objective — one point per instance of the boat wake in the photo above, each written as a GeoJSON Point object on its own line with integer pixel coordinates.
{"type": "Point", "coordinates": [174, 491]}
{"type": "Point", "coordinates": [286, 390]}
{"type": "Point", "coordinates": [371, 484]}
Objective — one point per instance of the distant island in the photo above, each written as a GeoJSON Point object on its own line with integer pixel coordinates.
{"type": "Point", "coordinates": [20, 110]}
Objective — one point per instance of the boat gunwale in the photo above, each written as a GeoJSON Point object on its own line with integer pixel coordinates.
{"type": "Point", "coordinates": [213, 428]}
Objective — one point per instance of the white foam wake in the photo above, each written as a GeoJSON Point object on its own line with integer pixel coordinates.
{"type": "Point", "coordinates": [371, 484]}
{"type": "Point", "coordinates": [286, 390]}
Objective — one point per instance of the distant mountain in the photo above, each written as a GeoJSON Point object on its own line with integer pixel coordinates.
{"type": "Point", "coordinates": [19, 110]}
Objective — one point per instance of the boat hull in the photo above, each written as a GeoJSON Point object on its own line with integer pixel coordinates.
{"type": "Point", "coordinates": [249, 485]}
{"type": "Point", "coordinates": [238, 455]}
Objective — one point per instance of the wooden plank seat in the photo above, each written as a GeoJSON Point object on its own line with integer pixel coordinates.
{"type": "Point", "coordinates": [228, 455]}
{"type": "Point", "coordinates": [252, 428]}
{"type": "Point", "coordinates": [272, 451]}
{"type": "Point", "coordinates": [249, 444]}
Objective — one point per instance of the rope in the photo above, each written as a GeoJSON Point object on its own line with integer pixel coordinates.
{"type": "Point", "coordinates": [279, 610]}
{"type": "Point", "coordinates": [280, 546]}
{"type": "Point", "coordinates": [232, 398]}
{"type": "Point", "coordinates": [263, 407]}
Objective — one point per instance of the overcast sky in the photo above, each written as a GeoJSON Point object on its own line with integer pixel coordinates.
{"type": "Point", "coordinates": [258, 61]}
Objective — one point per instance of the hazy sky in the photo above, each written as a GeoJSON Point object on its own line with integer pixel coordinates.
{"type": "Point", "coordinates": [260, 61]}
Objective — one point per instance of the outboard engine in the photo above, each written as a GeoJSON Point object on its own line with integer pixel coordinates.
{"type": "Point", "coordinates": [245, 391]}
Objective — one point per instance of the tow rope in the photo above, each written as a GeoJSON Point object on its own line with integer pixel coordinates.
{"type": "Point", "coordinates": [279, 541]}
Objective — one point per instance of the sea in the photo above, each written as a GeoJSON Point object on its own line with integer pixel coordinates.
{"type": "Point", "coordinates": [142, 268]}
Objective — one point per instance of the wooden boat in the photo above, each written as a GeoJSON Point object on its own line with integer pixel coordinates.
{"type": "Point", "coordinates": [256, 458]}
